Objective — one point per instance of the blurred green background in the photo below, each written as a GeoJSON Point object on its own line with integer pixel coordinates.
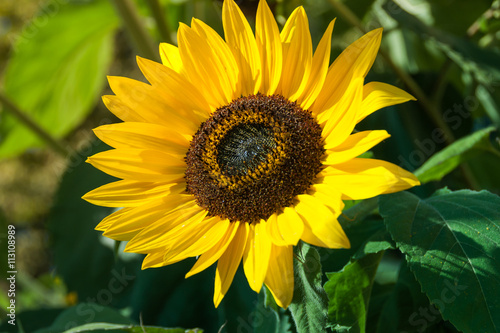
{"type": "Point", "coordinates": [54, 58]}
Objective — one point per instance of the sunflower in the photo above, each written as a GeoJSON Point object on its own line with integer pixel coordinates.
{"type": "Point", "coordinates": [239, 148]}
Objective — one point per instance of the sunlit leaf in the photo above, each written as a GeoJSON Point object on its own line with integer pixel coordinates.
{"type": "Point", "coordinates": [349, 294]}
{"type": "Point", "coordinates": [489, 101]}
{"type": "Point", "coordinates": [445, 161]}
{"type": "Point", "coordinates": [57, 71]}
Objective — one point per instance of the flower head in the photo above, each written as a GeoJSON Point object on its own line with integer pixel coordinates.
{"type": "Point", "coordinates": [239, 148]}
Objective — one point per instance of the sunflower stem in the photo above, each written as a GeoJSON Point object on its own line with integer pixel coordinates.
{"type": "Point", "coordinates": [347, 14]}
{"type": "Point", "coordinates": [26, 120]}
{"type": "Point", "coordinates": [134, 26]}
{"type": "Point", "coordinates": [161, 23]}
{"type": "Point", "coordinates": [431, 109]}
{"type": "Point", "coordinates": [440, 83]}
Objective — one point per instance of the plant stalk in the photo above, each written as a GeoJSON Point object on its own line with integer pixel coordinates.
{"type": "Point", "coordinates": [27, 121]}
{"type": "Point", "coordinates": [161, 23]}
{"type": "Point", "coordinates": [134, 26]}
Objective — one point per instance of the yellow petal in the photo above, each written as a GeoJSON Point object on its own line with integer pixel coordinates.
{"type": "Point", "coordinates": [203, 68]}
{"type": "Point", "coordinates": [319, 69]}
{"type": "Point", "coordinates": [256, 257]}
{"type": "Point", "coordinates": [342, 119]}
{"type": "Point", "coordinates": [297, 55]}
{"type": "Point", "coordinates": [329, 196]}
{"type": "Point", "coordinates": [290, 225]}
{"type": "Point", "coordinates": [212, 255]}
{"type": "Point", "coordinates": [285, 228]}
{"type": "Point", "coordinates": [362, 178]}
{"type": "Point", "coordinates": [377, 95]}
{"type": "Point", "coordinates": [354, 62]}
{"type": "Point", "coordinates": [127, 193]}
{"type": "Point", "coordinates": [274, 231]}
{"type": "Point", "coordinates": [139, 164]}
{"type": "Point", "coordinates": [143, 136]}
{"type": "Point", "coordinates": [112, 218]}
{"type": "Point", "coordinates": [229, 262]}
{"type": "Point", "coordinates": [154, 259]}
{"type": "Point", "coordinates": [171, 57]}
{"type": "Point", "coordinates": [222, 53]}
{"type": "Point", "coordinates": [241, 41]}
{"type": "Point", "coordinates": [148, 214]}
{"type": "Point", "coordinates": [147, 101]}
{"type": "Point", "coordinates": [268, 40]}
{"type": "Point", "coordinates": [183, 98]}
{"type": "Point", "coordinates": [279, 277]}
{"type": "Point", "coordinates": [120, 109]}
{"type": "Point", "coordinates": [192, 242]}
{"type": "Point", "coordinates": [154, 236]}
{"type": "Point", "coordinates": [321, 225]}
{"type": "Point", "coordinates": [355, 145]}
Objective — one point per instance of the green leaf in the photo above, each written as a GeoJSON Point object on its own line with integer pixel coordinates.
{"type": "Point", "coordinates": [85, 313]}
{"type": "Point", "coordinates": [445, 161]}
{"type": "Point", "coordinates": [489, 101]}
{"type": "Point", "coordinates": [375, 243]}
{"type": "Point", "coordinates": [58, 71]}
{"type": "Point", "coordinates": [367, 234]}
{"type": "Point", "coordinates": [98, 327]}
{"type": "Point", "coordinates": [309, 303]}
{"type": "Point", "coordinates": [451, 243]}
{"type": "Point", "coordinates": [349, 294]}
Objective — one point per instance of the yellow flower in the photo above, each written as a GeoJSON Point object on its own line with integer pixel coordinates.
{"type": "Point", "coordinates": [239, 148]}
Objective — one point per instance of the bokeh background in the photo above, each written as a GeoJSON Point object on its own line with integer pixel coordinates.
{"type": "Point", "coordinates": [54, 58]}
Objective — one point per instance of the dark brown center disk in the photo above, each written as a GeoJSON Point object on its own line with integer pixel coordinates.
{"type": "Point", "coordinates": [252, 157]}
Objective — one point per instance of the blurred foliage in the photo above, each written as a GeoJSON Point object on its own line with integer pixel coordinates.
{"type": "Point", "coordinates": [72, 75]}
{"type": "Point", "coordinates": [411, 252]}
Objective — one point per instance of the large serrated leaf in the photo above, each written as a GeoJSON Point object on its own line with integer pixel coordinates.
{"type": "Point", "coordinates": [58, 71]}
{"type": "Point", "coordinates": [451, 242]}
{"type": "Point", "coordinates": [309, 303]}
{"type": "Point", "coordinates": [349, 294]}
{"type": "Point", "coordinates": [445, 161]}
